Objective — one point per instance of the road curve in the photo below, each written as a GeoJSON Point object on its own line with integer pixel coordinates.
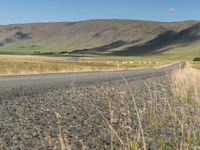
{"type": "Point", "coordinates": [45, 81]}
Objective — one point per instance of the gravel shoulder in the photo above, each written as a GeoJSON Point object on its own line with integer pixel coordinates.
{"type": "Point", "coordinates": [24, 115]}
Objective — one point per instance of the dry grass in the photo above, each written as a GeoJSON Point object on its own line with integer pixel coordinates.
{"type": "Point", "coordinates": [163, 122]}
{"type": "Point", "coordinates": [17, 65]}
{"type": "Point", "coordinates": [195, 65]}
{"type": "Point", "coordinates": [186, 85]}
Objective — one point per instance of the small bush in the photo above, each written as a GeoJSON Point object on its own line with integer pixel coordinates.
{"type": "Point", "coordinates": [196, 58]}
{"type": "Point", "coordinates": [37, 52]}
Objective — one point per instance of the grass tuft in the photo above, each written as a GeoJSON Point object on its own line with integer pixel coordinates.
{"type": "Point", "coordinates": [186, 85]}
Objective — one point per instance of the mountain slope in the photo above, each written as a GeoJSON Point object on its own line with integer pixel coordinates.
{"type": "Point", "coordinates": [105, 37]}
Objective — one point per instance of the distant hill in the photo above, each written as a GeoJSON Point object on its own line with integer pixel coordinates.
{"type": "Point", "coordinates": [102, 37]}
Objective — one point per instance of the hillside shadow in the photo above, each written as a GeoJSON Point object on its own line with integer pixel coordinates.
{"type": "Point", "coordinates": [105, 48]}
{"type": "Point", "coordinates": [161, 43]}
{"type": "Point", "coordinates": [166, 41]}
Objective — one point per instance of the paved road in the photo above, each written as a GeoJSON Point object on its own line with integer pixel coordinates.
{"type": "Point", "coordinates": [10, 83]}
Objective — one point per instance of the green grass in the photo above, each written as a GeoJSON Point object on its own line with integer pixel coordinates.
{"type": "Point", "coordinates": [187, 52]}
{"type": "Point", "coordinates": [178, 52]}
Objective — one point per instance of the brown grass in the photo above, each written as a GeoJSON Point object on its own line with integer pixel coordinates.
{"type": "Point", "coordinates": [186, 85]}
{"type": "Point", "coordinates": [18, 65]}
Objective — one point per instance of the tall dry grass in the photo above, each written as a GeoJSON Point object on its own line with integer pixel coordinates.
{"type": "Point", "coordinates": [17, 65]}
{"type": "Point", "coordinates": [163, 122]}
{"type": "Point", "coordinates": [20, 68]}
{"type": "Point", "coordinates": [186, 85]}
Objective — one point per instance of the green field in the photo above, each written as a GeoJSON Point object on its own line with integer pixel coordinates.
{"type": "Point", "coordinates": [176, 53]}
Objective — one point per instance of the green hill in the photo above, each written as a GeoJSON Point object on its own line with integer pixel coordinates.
{"type": "Point", "coordinates": [103, 37]}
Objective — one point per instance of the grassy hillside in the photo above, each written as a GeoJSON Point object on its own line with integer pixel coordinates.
{"type": "Point", "coordinates": [103, 37]}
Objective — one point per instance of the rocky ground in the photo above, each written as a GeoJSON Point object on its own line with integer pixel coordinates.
{"type": "Point", "coordinates": [99, 115]}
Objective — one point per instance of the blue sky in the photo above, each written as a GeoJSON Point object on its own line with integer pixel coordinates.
{"type": "Point", "coordinates": [25, 11]}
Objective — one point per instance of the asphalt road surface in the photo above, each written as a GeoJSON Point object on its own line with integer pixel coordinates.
{"type": "Point", "coordinates": [12, 83]}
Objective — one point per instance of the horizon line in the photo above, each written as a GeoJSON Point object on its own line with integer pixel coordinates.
{"type": "Point", "coordinates": [106, 19]}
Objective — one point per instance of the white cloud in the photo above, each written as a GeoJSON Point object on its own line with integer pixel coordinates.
{"type": "Point", "coordinates": [172, 10]}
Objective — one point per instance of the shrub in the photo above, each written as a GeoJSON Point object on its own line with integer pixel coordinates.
{"type": "Point", "coordinates": [196, 58]}
{"type": "Point", "coordinates": [37, 52]}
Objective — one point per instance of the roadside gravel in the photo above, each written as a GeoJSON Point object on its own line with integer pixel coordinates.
{"type": "Point", "coordinates": [28, 120]}
{"type": "Point", "coordinates": [33, 118]}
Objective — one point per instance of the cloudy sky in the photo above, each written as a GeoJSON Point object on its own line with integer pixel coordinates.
{"type": "Point", "coordinates": [25, 11]}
